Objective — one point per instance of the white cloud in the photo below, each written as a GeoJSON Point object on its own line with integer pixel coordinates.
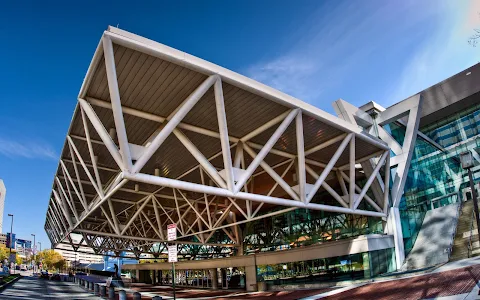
{"type": "Point", "coordinates": [411, 45]}
{"type": "Point", "coordinates": [445, 53]}
{"type": "Point", "coordinates": [26, 149]}
{"type": "Point", "coordinates": [325, 49]}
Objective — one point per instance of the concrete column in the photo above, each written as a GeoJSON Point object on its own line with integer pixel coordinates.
{"type": "Point", "coordinates": [160, 277]}
{"type": "Point", "coordinates": [394, 227]}
{"type": "Point", "coordinates": [92, 286]}
{"type": "Point", "coordinates": [251, 278]}
{"type": "Point", "coordinates": [214, 276]}
{"type": "Point", "coordinates": [223, 271]}
{"type": "Point", "coordinates": [111, 293]}
{"type": "Point", "coordinates": [103, 290]}
{"type": "Point", "coordinates": [154, 277]}
{"type": "Point", "coordinates": [96, 289]}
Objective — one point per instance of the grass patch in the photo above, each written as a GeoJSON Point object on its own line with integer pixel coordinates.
{"type": "Point", "coordinates": [9, 278]}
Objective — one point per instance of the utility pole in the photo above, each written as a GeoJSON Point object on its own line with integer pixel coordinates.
{"type": "Point", "coordinates": [11, 241]}
{"type": "Point", "coordinates": [33, 250]}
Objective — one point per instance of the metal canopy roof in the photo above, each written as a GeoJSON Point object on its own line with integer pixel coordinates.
{"type": "Point", "coordinates": [159, 136]}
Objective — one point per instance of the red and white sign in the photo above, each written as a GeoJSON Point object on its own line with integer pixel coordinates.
{"type": "Point", "coordinates": [172, 254]}
{"type": "Point", "coordinates": [171, 232]}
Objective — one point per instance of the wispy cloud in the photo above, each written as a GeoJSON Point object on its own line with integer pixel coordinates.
{"type": "Point", "coordinates": [403, 47]}
{"type": "Point", "coordinates": [444, 53]}
{"type": "Point", "coordinates": [324, 49]}
{"type": "Point", "coordinates": [26, 149]}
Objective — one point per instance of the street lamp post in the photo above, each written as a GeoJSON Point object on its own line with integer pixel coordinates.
{"type": "Point", "coordinates": [466, 159]}
{"type": "Point", "coordinates": [34, 258]}
{"type": "Point", "coordinates": [10, 243]}
{"type": "Point", "coordinates": [40, 243]}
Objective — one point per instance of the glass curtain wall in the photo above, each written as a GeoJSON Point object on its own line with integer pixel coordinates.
{"type": "Point", "coordinates": [304, 227]}
{"type": "Point", "coordinates": [339, 268]}
{"type": "Point", "coordinates": [433, 179]}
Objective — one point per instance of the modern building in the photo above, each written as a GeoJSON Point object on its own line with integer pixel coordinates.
{"type": "Point", "coordinates": [23, 247]}
{"type": "Point", "coordinates": [3, 239]}
{"type": "Point", "coordinates": [82, 255]}
{"type": "Point", "coordinates": [3, 193]}
{"type": "Point", "coordinates": [264, 189]}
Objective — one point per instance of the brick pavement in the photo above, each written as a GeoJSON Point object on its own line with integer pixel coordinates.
{"type": "Point", "coordinates": [433, 285]}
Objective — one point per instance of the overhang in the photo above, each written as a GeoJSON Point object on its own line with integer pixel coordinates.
{"type": "Point", "coordinates": [159, 136]}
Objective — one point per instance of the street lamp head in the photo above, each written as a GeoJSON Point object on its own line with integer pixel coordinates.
{"type": "Point", "coordinates": [466, 159]}
{"type": "Point", "coordinates": [33, 234]}
{"type": "Point", "coordinates": [10, 215]}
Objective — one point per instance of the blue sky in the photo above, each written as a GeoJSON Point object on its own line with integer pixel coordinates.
{"type": "Point", "coordinates": [318, 51]}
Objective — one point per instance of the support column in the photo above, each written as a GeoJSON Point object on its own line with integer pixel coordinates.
{"type": "Point", "coordinates": [154, 277]}
{"type": "Point", "coordinates": [394, 227]}
{"type": "Point", "coordinates": [251, 278]}
{"type": "Point", "coordinates": [223, 271]}
{"type": "Point", "coordinates": [214, 276]}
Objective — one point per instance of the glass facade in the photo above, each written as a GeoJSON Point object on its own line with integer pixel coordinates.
{"type": "Point", "coordinates": [435, 177]}
{"type": "Point", "coordinates": [340, 268]}
{"type": "Point", "coordinates": [304, 227]}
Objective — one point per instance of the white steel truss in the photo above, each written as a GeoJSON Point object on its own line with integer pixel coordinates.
{"type": "Point", "coordinates": [127, 204]}
{"type": "Point", "coordinates": [375, 121]}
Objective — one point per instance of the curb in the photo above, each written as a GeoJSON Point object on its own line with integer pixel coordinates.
{"type": "Point", "coordinates": [3, 286]}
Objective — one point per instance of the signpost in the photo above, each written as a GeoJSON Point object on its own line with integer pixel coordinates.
{"type": "Point", "coordinates": [172, 251]}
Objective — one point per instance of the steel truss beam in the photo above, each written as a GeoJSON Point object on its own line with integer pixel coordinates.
{"type": "Point", "coordinates": [219, 206]}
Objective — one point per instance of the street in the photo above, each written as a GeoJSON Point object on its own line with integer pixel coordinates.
{"type": "Point", "coordinates": [32, 287]}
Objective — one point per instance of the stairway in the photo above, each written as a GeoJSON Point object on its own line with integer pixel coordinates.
{"type": "Point", "coordinates": [462, 237]}
{"type": "Point", "coordinates": [434, 239]}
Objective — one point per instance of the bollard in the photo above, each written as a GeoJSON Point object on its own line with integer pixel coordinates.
{"type": "Point", "coordinates": [96, 289]}
{"type": "Point", "coordinates": [122, 295]}
{"type": "Point", "coordinates": [111, 292]}
{"type": "Point", "coordinates": [103, 291]}
{"type": "Point", "coordinates": [157, 298]}
{"type": "Point", "coordinates": [137, 296]}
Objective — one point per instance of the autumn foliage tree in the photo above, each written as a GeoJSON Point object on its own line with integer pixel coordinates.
{"type": "Point", "coordinates": [51, 259]}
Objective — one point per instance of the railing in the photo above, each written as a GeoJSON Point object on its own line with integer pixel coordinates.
{"type": "Point", "coordinates": [469, 248]}
{"type": "Point", "coordinates": [459, 212]}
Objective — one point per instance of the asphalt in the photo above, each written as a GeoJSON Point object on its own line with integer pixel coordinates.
{"type": "Point", "coordinates": [32, 287]}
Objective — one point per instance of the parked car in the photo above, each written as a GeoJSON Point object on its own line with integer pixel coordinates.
{"type": "Point", "coordinates": [44, 274]}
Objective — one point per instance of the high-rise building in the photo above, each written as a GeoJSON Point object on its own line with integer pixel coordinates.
{"type": "Point", "coordinates": [3, 192]}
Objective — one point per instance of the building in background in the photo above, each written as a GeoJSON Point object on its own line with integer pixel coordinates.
{"type": "Point", "coordinates": [23, 247]}
{"type": "Point", "coordinates": [3, 239]}
{"type": "Point", "coordinates": [84, 254]}
{"type": "Point", "coordinates": [3, 192]}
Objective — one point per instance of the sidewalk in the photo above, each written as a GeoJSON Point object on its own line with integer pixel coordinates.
{"type": "Point", "coordinates": [452, 281]}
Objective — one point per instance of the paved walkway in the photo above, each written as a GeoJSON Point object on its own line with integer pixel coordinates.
{"type": "Point", "coordinates": [38, 289]}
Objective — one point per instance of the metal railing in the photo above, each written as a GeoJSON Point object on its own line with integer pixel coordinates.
{"type": "Point", "coordinates": [457, 218]}
{"type": "Point", "coordinates": [469, 247]}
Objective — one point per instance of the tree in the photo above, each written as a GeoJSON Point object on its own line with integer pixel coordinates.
{"type": "Point", "coordinates": [51, 259]}
{"type": "Point", "coordinates": [18, 260]}
{"type": "Point", "coordinates": [3, 253]}
{"type": "Point", "coordinates": [473, 40]}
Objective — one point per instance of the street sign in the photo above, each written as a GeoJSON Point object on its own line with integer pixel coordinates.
{"type": "Point", "coordinates": [171, 232]}
{"type": "Point", "coordinates": [172, 254]}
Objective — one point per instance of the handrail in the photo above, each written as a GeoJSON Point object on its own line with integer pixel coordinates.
{"type": "Point", "coordinates": [469, 248]}
{"type": "Point", "coordinates": [459, 211]}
